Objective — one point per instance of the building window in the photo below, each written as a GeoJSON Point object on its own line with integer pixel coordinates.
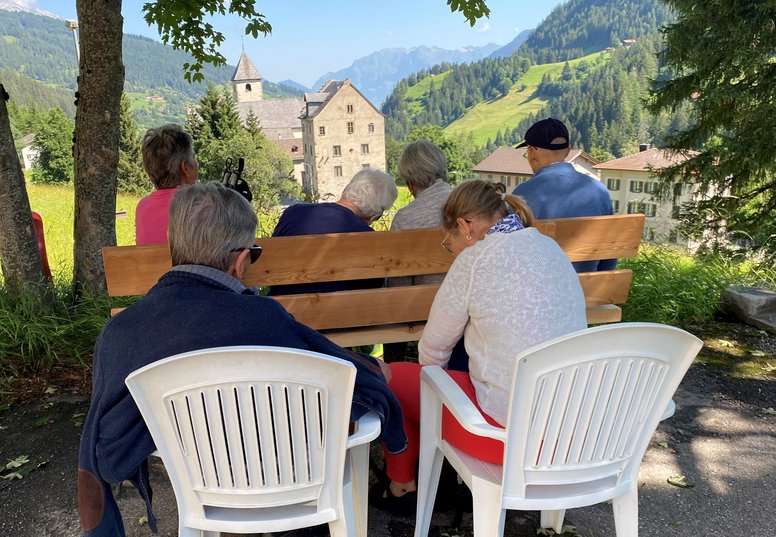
{"type": "Point", "coordinates": [650, 187]}
{"type": "Point", "coordinates": [337, 171]}
{"type": "Point", "coordinates": [365, 166]}
{"type": "Point", "coordinates": [650, 209]}
{"type": "Point", "coordinates": [613, 184]}
{"type": "Point", "coordinates": [673, 236]}
{"type": "Point", "coordinates": [322, 130]}
{"type": "Point", "coordinates": [350, 109]}
{"type": "Point", "coordinates": [615, 206]}
{"type": "Point", "coordinates": [678, 189]}
{"type": "Point", "coordinates": [490, 176]}
{"type": "Point", "coordinates": [364, 149]}
{"type": "Point", "coordinates": [371, 128]}
{"type": "Point", "coordinates": [634, 207]}
{"type": "Point", "coordinates": [351, 129]}
{"type": "Point", "coordinates": [337, 150]}
{"type": "Point", "coordinates": [637, 186]}
{"type": "Point", "coordinates": [247, 87]}
{"type": "Point", "coordinates": [676, 212]}
{"type": "Point", "coordinates": [648, 234]}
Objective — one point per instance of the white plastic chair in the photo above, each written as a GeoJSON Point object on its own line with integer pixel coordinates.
{"type": "Point", "coordinates": [254, 439]}
{"type": "Point", "coordinates": [582, 411]}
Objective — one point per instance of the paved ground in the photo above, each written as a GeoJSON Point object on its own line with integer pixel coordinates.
{"type": "Point", "coordinates": [721, 438]}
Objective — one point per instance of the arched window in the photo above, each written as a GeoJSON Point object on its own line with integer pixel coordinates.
{"type": "Point", "coordinates": [247, 87]}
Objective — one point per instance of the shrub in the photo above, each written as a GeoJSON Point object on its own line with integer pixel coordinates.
{"type": "Point", "coordinates": [672, 287]}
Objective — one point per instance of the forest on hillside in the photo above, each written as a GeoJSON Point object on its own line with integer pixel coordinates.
{"type": "Point", "coordinates": [448, 97]}
{"type": "Point", "coordinates": [579, 27]}
{"type": "Point", "coordinates": [37, 55]}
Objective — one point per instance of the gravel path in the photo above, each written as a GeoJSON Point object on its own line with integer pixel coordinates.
{"type": "Point", "coordinates": [721, 439]}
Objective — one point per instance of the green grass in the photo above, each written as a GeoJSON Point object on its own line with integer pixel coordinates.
{"type": "Point", "coordinates": [418, 93]}
{"type": "Point", "coordinates": [55, 206]}
{"type": "Point", "coordinates": [486, 119]}
{"type": "Point", "coordinates": [672, 287]}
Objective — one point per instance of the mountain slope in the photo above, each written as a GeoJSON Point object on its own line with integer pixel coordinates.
{"type": "Point", "coordinates": [579, 27]}
{"type": "Point", "coordinates": [486, 119]}
{"type": "Point", "coordinates": [376, 75]}
{"type": "Point", "coordinates": [512, 46]}
{"type": "Point", "coordinates": [42, 48]}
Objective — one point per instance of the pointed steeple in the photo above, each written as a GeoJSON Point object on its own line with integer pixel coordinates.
{"type": "Point", "coordinates": [246, 81]}
{"type": "Point", "coordinates": [245, 71]}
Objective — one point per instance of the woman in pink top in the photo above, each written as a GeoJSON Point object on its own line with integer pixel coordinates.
{"type": "Point", "coordinates": [169, 161]}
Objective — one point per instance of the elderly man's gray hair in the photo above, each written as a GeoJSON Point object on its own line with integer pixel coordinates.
{"type": "Point", "coordinates": [422, 164]}
{"type": "Point", "coordinates": [371, 192]}
{"type": "Point", "coordinates": [207, 223]}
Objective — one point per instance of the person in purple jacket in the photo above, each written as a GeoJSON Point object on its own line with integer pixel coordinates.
{"type": "Point", "coordinates": [557, 189]}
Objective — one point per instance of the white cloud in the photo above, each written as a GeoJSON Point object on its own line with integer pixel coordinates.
{"type": "Point", "coordinates": [29, 4]}
{"type": "Point", "coordinates": [484, 27]}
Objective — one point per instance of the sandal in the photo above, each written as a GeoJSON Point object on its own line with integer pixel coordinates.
{"type": "Point", "coordinates": [380, 496]}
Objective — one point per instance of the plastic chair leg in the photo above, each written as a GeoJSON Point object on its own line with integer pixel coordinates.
{"type": "Point", "coordinates": [487, 513]}
{"type": "Point", "coordinates": [358, 458]}
{"type": "Point", "coordinates": [430, 468]}
{"type": "Point", "coordinates": [553, 519]}
{"type": "Point", "coordinates": [626, 513]}
{"type": "Point", "coordinates": [337, 528]}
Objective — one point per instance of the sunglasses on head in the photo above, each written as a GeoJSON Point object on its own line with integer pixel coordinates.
{"type": "Point", "coordinates": [254, 251]}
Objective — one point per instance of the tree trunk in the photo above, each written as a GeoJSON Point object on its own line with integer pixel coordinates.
{"type": "Point", "coordinates": [18, 244]}
{"type": "Point", "coordinates": [100, 82]}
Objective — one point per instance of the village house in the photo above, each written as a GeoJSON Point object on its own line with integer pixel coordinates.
{"type": "Point", "coordinates": [509, 166]}
{"type": "Point", "coordinates": [343, 132]}
{"type": "Point", "coordinates": [634, 188]}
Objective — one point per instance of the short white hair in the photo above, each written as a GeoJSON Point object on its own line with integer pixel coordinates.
{"type": "Point", "coordinates": [372, 192]}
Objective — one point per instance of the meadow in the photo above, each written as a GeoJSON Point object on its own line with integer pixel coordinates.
{"type": "Point", "coordinates": [486, 119]}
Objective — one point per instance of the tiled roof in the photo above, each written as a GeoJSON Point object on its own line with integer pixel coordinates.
{"type": "Point", "coordinates": [245, 69]}
{"type": "Point", "coordinates": [512, 161]}
{"type": "Point", "coordinates": [292, 147]}
{"type": "Point", "coordinates": [278, 117]}
{"type": "Point", "coordinates": [644, 160]}
{"type": "Point", "coordinates": [320, 99]}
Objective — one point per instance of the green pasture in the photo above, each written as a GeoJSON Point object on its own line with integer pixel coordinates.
{"type": "Point", "coordinates": [486, 119]}
{"type": "Point", "coordinates": [419, 92]}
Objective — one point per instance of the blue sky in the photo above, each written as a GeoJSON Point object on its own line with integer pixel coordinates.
{"type": "Point", "coordinates": [310, 38]}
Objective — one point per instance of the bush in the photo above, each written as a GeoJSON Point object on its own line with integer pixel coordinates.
{"type": "Point", "coordinates": [672, 287]}
{"type": "Point", "coordinates": [36, 337]}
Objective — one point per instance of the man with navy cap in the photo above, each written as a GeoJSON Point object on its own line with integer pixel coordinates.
{"type": "Point", "coordinates": [557, 189]}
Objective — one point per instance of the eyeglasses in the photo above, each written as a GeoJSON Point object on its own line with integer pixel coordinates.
{"type": "Point", "coordinates": [254, 251]}
{"type": "Point", "coordinates": [446, 244]}
{"type": "Point", "coordinates": [525, 153]}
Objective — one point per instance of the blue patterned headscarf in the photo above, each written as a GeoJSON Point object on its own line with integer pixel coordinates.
{"type": "Point", "coordinates": [508, 224]}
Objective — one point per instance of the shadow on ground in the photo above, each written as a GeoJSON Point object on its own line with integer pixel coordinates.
{"type": "Point", "coordinates": [722, 439]}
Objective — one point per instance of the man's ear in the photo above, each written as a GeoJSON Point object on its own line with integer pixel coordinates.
{"type": "Point", "coordinates": [237, 267]}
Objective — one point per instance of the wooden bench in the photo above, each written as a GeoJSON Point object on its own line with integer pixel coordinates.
{"type": "Point", "coordinates": [389, 314]}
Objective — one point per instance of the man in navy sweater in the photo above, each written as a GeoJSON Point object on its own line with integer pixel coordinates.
{"type": "Point", "coordinates": [557, 190]}
{"type": "Point", "coordinates": [366, 197]}
{"type": "Point", "coordinates": [200, 303]}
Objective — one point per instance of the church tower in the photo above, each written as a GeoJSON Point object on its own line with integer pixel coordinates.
{"type": "Point", "coordinates": [246, 81]}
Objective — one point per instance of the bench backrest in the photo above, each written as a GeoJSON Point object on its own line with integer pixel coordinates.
{"type": "Point", "coordinates": [395, 313]}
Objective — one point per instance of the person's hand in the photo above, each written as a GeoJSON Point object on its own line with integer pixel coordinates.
{"type": "Point", "coordinates": [386, 370]}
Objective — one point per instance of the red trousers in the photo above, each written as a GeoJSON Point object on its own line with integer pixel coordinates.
{"type": "Point", "coordinates": [405, 384]}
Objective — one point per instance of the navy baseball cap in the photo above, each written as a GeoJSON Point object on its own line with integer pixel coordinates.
{"type": "Point", "coordinates": [542, 133]}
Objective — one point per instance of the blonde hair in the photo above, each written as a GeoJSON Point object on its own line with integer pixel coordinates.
{"type": "Point", "coordinates": [484, 199]}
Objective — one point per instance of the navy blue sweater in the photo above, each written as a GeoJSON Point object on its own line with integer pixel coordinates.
{"type": "Point", "coordinates": [181, 313]}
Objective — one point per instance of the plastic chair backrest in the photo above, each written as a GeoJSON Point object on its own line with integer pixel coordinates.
{"type": "Point", "coordinates": [249, 427]}
{"type": "Point", "coordinates": [585, 406]}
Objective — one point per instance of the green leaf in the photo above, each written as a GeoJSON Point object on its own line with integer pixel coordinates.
{"type": "Point", "coordinates": [142, 521]}
{"type": "Point", "coordinates": [757, 353]}
{"type": "Point", "coordinates": [50, 390]}
{"type": "Point", "coordinates": [42, 421]}
{"type": "Point", "coordinates": [726, 343]}
{"type": "Point", "coordinates": [770, 410]}
{"type": "Point", "coordinates": [663, 445]}
{"type": "Point", "coordinates": [17, 462]}
{"type": "Point", "coordinates": [679, 481]}
{"type": "Point", "coordinates": [13, 475]}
